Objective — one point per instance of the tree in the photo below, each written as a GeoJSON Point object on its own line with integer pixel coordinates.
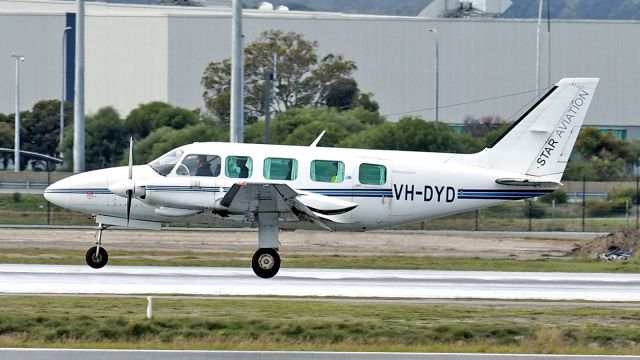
{"type": "Point", "coordinates": [146, 118]}
{"type": "Point", "coordinates": [302, 80]}
{"type": "Point", "coordinates": [412, 134]}
{"type": "Point", "coordinates": [40, 128]}
{"type": "Point", "coordinates": [344, 94]}
{"type": "Point", "coordinates": [302, 126]}
{"type": "Point", "coordinates": [105, 141]}
{"type": "Point", "coordinates": [6, 140]}
{"type": "Point", "coordinates": [166, 138]}
{"type": "Point", "coordinates": [478, 128]}
{"type": "Point", "coordinates": [6, 135]}
{"type": "Point", "coordinates": [591, 143]}
{"type": "Point", "coordinates": [601, 157]}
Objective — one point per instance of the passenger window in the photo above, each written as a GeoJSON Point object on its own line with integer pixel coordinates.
{"type": "Point", "coordinates": [280, 169]}
{"type": "Point", "coordinates": [199, 165]}
{"type": "Point", "coordinates": [372, 174]}
{"type": "Point", "coordinates": [327, 171]}
{"type": "Point", "coordinates": [238, 166]}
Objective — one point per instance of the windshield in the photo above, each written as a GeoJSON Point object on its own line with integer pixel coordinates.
{"type": "Point", "coordinates": [165, 163]}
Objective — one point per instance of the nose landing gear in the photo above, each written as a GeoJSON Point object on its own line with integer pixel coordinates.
{"type": "Point", "coordinates": [97, 256]}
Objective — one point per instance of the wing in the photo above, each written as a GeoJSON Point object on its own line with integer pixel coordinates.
{"type": "Point", "coordinates": [291, 205]}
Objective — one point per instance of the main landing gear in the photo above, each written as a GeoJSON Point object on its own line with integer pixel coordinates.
{"type": "Point", "coordinates": [266, 263]}
{"type": "Point", "coordinates": [97, 256]}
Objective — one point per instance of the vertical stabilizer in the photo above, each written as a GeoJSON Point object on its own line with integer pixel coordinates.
{"type": "Point", "coordinates": [539, 143]}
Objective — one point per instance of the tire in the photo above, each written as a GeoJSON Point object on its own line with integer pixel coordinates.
{"type": "Point", "coordinates": [265, 263]}
{"type": "Point", "coordinates": [99, 261]}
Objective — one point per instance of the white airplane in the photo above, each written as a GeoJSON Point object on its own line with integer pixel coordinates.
{"type": "Point", "coordinates": [292, 187]}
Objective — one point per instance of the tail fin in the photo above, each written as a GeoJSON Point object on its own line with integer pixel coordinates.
{"type": "Point", "coordinates": [539, 143]}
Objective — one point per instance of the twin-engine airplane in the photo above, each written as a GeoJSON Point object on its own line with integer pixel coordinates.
{"type": "Point", "coordinates": [292, 187]}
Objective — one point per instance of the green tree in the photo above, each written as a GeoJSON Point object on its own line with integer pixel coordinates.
{"type": "Point", "coordinates": [591, 142]}
{"type": "Point", "coordinates": [344, 94]}
{"type": "Point", "coordinates": [40, 128]}
{"type": "Point", "coordinates": [413, 134]}
{"type": "Point", "coordinates": [602, 157]}
{"type": "Point", "coordinates": [146, 118]}
{"type": "Point", "coordinates": [6, 135]}
{"type": "Point", "coordinates": [105, 141]}
{"type": "Point", "coordinates": [166, 138]}
{"type": "Point", "coordinates": [6, 139]}
{"type": "Point", "coordinates": [302, 126]}
{"type": "Point", "coordinates": [302, 79]}
{"type": "Point", "coordinates": [578, 169]}
{"type": "Point", "coordinates": [608, 167]}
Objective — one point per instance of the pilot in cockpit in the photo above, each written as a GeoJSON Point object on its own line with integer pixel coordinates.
{"type": "Point", "coordinates": [203, 166]}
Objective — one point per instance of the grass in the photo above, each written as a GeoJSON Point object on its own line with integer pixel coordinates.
{"type": "Point", "coordinates": [294, 325]}
{"type": "Point", "coordinates": [242, 259]}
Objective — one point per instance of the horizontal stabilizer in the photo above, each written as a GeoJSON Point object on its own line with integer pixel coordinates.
{"type": "Point", "coordinates": [528, 182]}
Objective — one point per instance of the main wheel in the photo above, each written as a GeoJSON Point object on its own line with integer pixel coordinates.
{"type": "Point", "coordinates": [98, 260]}
{"type": "Point", "coordinates": [266, 263]}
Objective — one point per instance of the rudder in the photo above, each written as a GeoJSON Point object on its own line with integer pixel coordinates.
{"type": "Point", "coordinates": [539, 143]}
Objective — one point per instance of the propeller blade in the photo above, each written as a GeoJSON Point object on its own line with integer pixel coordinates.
{"type": "Point", "coordinates": [129, 196]}
{"type": "Point", "coordinates": [131, 158]}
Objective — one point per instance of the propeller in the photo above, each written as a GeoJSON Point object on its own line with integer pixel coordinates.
{"type": "Point", "coordinates": [131, 189]}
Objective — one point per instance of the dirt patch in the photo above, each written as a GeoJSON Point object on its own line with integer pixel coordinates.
{"type": "Point", "coordinates": [624, 240]}
{"type": "Point", "coordinates": [471, 244]}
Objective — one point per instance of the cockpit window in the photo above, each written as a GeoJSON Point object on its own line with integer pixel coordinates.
{"type": "Point", "coordinates": [165, 163]}
{"type": "Point", "coordinates": [199, 165]}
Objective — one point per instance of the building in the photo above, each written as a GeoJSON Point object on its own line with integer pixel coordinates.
{"type": "Point", "coordinates": [136, 54]}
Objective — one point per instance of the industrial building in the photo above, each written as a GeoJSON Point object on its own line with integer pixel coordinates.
{"type": "Point", "coordinates": [136, 54]}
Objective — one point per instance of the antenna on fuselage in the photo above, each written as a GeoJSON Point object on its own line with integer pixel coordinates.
{"type": "Point", "coordinates": [317, 140]}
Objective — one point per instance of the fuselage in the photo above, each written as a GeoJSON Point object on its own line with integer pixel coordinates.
{"type": "Point", "coordinates": [389, 187]}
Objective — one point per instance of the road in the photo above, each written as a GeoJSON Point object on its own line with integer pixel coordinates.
{"type": "Point", "coordinates": [70, 354]}
{"type": "Point", "coordinates": [72, 279]}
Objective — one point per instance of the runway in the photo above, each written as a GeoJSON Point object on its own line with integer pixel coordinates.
{"type": "Point", "coordinates": [77, 354]}
{"type": "Point", "coordinates": [71, 279]}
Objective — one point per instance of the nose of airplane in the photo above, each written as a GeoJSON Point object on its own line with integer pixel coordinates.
{"type": "Point", "coordinates": [58, 192]}
{"type": "Point", "coordinates": [69, 191]}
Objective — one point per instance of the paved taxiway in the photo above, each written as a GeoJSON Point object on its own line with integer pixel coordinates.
{"type": "Point", "coordinates": [59, 354]}
{"type": "Point", "coordinates": [71, 279]}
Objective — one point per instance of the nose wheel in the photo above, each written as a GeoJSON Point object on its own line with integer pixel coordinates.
{"type": "Point", "coordinates": [266, 263]}
{"type": "Point", "coordinates": [97, 256]}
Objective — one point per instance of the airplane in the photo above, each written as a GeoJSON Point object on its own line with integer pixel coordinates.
{"type": "Point", "coordinates": [275, 187]}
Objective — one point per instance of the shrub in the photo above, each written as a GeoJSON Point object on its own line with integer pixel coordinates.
{"type": "Point", "coordinates": [598, 208]}
{"type": "Point", "coordinates": [560, 196]}
{"type": "Point", "coordinates": [619, 206]}
{"type": "Point", "coordinates": [624, 193]}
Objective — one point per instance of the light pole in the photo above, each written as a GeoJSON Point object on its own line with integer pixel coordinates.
{"type": "Point", "coordinates": [236, 133]}
{"type": "Point", "coordinates": [435, 70]}
{"type": "Point", "coordinates": [63, 85]}
{"type": "Point", "coordinates": [538, 48]}
{"type": "Point", "coordinates": [16, 146]}
{"type": "Point", "coordinates": [78, 99]}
